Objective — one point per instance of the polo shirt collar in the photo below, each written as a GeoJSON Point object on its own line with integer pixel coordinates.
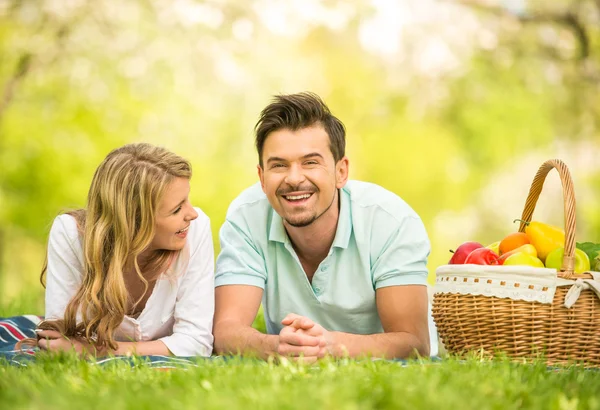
{"type": "Point", "coordinates": [277, 231]}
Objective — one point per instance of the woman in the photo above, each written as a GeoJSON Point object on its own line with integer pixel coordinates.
{"type": "Point", "coordinates": [134, 271]}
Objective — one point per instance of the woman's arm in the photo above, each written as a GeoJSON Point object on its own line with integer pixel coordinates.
{"type": "Point", "coordinates": [64, 271]}
{"type": "Point", "coordinates": [54, 341]}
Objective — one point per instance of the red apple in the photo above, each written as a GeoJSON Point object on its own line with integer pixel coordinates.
{"type": "Point", "coordinates": [461, 253]}
{"type": "Point", "coordinates": [483, 256]}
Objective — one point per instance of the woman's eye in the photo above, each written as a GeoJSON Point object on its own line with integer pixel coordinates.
{"type": "Point", "coordinates": [177, 210]}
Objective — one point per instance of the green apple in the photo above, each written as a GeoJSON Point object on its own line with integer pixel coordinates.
{"type": "Point", "coordinates": [495, 247]}
{"type": "Point", "coordinates": [555, 259]}
{"type": "Point", "coordinates": [523, 258]}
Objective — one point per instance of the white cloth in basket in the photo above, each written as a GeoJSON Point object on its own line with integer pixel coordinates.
{"type": "Point", "coordinates": [582, 284]}
{"type": "Point", "coordinates": [513, 282]}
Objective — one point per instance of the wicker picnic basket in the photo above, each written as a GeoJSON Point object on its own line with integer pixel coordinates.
{"type": "Point", "coordinates": [521, 311]}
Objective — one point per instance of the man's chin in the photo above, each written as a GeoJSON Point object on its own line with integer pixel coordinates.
{"type": "Point", "coordinates": [300, 222]}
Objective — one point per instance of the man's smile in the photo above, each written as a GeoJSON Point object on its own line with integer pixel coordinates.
{"type": "Point", "coordinates": [297, 197]}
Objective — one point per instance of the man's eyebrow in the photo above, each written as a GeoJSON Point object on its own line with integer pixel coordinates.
{"type": "Point", "coordinates": [275, 159]}
{"type": "Point", "coordinates": [278, 159]}
{"type": "Point", "coordinates": [312, 154]}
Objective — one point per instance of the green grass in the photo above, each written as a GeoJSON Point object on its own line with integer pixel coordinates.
{"type": "Point", "coordinates": [65, 382]}
{"type": "Point", "coordinates": [62, 382]}
{"type": "Point", "coordinates": [31, 303]}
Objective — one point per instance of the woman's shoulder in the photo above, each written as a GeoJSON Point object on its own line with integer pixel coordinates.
{"type": "Point", "coordinates": [64, 225]}
{"type": "Point", "coordinates": [201, 223]}
{"type": "Point", "coordinates": [202, 217]}
{"type": "Point", "coordinates": [64, 234]}
{"type": "Point", "coordinates": [199, 228]}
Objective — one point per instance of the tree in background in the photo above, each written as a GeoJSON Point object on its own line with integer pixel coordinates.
{"type": "Point", "coordinates": [452, 105]}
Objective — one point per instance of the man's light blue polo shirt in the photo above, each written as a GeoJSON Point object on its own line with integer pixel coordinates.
{"type": "Point", "coordinates": [380, 241]}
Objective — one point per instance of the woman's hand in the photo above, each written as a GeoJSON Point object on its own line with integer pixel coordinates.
{"type": "Point", "coordinates": [51, 340]}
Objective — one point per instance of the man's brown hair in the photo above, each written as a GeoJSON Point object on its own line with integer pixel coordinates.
{"type": "Point", "coordinates": [297, 111]}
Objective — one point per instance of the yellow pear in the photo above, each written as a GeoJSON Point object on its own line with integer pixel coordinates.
{"type": "Point", "coordinates": [528, 249]}
{"type": "Point", "coordinates": [522, 258]}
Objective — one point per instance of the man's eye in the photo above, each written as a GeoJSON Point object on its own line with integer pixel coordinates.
{"type": "Point", "coordinates": [277, 166]}
{"type": "Point", "coordinates": [311, 163]}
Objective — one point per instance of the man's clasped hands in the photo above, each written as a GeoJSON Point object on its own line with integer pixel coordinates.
{"type": "Point", "coordinates": [304, 340]}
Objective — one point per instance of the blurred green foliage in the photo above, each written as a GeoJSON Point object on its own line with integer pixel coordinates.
{"type": "Point", "coordinates": [452, 107]}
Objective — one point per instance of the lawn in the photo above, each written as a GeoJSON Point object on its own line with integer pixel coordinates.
{"type": "Point", "coordinates": [65, 382]}
{"type": "Point", "coordinates": [61, 382]}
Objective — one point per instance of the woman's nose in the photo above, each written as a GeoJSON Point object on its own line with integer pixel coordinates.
{"type": "Point", "coordinates": [192, 214]}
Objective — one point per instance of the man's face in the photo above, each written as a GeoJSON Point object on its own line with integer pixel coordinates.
{"type": "Point", "coordinates": [299, 174]}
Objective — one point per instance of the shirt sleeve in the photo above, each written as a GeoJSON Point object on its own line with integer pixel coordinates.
{"type": "Point", "coordinates": [240, 262]}
{"type": "Point", "coordinates": [64, 272]}
{"type": "Point", "coordinates": [402, 258]}
{"type": "Point", "coordinates": [195, 304]}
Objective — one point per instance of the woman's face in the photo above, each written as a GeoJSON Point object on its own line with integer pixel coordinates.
{"type": "Point", "coordinates": [175, 212]}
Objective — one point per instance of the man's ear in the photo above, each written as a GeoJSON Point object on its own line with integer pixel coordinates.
{"type": "Point", "coordinates": [261, 176]}
{"type": "Point", "coordinates": [341, 172]}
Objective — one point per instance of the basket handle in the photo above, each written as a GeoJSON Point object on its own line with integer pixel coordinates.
{"type": "Point", "coordinates": [568, 264]}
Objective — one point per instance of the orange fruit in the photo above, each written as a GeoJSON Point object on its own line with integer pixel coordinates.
{"type": "Point", "coordinates": [513, 241]}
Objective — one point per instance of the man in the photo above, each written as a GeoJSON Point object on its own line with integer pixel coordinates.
{"type": "Point", "coordinates": [340, 265]}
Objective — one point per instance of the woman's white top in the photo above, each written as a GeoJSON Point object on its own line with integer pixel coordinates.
{"type": "Point", "coordinates": [179, 312]}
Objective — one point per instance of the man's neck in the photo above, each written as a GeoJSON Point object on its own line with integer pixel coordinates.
{"type": "Point", "coordinates": [312, 242]}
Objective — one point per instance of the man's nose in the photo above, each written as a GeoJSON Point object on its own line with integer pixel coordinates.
{"type": "Point", "coordinates": [294, 175]}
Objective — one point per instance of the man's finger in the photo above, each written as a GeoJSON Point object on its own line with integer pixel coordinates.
{"type": "Point", "coordinates": [289, 319]}
{"type": "Point", "coordinates": [302, 323]}
{"type": "Point", "coordinates": [315, 331]}
{"type": "Point", "coordinates": [292, 337]}
{"type": "Point", "coordinates": [295, 351]}
{"type": "Point", "coordinates": [297, 321]}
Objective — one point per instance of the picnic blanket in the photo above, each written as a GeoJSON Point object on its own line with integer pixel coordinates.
{"type": "Point", "coordinates": [16, 328]}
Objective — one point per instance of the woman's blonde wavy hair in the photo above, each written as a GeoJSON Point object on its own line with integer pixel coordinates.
{"type": "Point", "coordinates": [117, 225]}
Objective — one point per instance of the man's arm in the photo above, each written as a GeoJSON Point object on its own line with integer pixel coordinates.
{"type": "Point", "coordinates": [235, 309]}
{"type": "Point", "coordinates": [403, 314]}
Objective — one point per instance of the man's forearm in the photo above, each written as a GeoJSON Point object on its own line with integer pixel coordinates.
{"type": "Point", "coordinates": [234, 338]}
{"type": "Point", "coordinates": [392, 345]}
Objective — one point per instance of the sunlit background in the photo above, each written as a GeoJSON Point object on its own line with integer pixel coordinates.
{"type": "Point", "coordinates": [453, 105]}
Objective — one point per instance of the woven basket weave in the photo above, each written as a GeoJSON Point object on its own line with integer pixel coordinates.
{"type": "Point", "coordinates": [524, 329]}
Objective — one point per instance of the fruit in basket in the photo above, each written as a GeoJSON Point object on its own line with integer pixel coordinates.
{"type": "Point", "coordinates": [593, 252]}
{"type": "Point", "coordinates": [555, 259]}
{"type": "Point", "coordinates": [483, 256]}
{"type": "Point", "coordinates": [522, 258]}
{"type": "Point", "coordinates": [461, 253]}
{"type": "Point", "coordinates": [527, 248]}
{"type": "Point", "coordinates": [513, 241]}
{"type": "Point", "coordinates": [495, 247]}
{"type": "Point", "coordinates": [544, 237]}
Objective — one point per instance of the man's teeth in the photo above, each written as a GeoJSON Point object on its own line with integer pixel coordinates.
{"type": "Point", "coordinates": [183, 230]}
{"type": "Point", "coordinates": [297, 197]}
